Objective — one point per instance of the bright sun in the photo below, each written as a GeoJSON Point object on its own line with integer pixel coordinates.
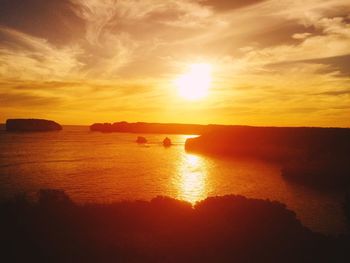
{"type": "Point", "coordinates": [195, 84]}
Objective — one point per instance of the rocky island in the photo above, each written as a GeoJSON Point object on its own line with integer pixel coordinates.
{"type": "Point", "coordinates": [31, 125]}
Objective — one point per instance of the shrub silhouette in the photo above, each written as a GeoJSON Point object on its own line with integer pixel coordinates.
{"type": "Point", "coordinates": [347, 207]}
{"type": "Point", "coordinates": [218, 229]}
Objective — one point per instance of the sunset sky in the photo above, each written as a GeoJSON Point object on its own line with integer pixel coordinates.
{"type": "Point", "coordinates": [273, 62]}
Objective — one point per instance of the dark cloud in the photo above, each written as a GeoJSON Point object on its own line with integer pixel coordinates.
{"type": "Point", "coordinates": [341, 107]}
{"type": "Point", "coordinates": [281, 33]}
{"type": "Point", "coordinates": [339, 63]}
{"type": "Point", "coordinates": [336, 92]}
{"type": "Point", "coordinates": [225, 5]}
{"type": "Point", "coordinates": [52, 85]}
{"type": "Point", "coordinates": [55, 20]}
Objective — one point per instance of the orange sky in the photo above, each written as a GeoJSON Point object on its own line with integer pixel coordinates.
{"type": "Point", "coordinates": [83, 61]}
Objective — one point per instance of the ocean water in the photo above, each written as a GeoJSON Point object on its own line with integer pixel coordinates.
{"type": "Point", "coordinates": [97, 167]}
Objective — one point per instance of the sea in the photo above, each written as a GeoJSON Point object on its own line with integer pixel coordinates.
{"type": "Point", "coordinates": [99, 167]}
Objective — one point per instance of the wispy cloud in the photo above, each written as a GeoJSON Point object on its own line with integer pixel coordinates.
{"type": "Point", "coordinates": [27, 57]}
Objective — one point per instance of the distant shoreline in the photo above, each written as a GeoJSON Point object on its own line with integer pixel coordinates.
{"type": "Point", "coordinates": [203, 125]}
{"type": "Point", "coordinates": [178, 128]}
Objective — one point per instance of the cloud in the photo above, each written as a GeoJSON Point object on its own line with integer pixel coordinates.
{"type": "Point", "coordinates": [27, 57]}
{"type": "Point", "coordinates": [122, 36]}
{"type": "Point", "coordinates": [27, 100]}
{"type": "Point", "coordinates": [337, 64]}
{"type": "Point", "coordinates": [75, 96]}
{"type": "Point", "coordinates": [309, 13]}
{"type": "Point", "coordinates": [54, 20]}
{"type": "Point", "coordinates": [111, 39]}
{"type": "Point", "coordinates": [336, 92]}
{"type": "Point", "coordinates": [226, 5]}
{"type": "Point", "coordinates": [301, 35]}
{"type": "Point", "coordinates": [330, 44]}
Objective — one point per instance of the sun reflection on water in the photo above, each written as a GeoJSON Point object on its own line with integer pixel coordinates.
{"type": "Point", "coordinates": [192, 183]}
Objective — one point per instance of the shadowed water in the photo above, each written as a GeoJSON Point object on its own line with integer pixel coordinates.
{"type": "Point", "coordinates": [97, 167]}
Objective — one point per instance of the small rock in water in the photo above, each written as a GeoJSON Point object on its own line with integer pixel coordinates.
{"type": "Point", "coordinates": [141, 139]}
{"type": "Point", "coordinates": [167, 142]}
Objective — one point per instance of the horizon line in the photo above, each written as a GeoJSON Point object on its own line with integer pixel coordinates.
{"type": "Point", "coordinates": [208, 124]}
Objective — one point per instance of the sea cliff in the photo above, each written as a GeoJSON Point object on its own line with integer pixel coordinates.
{"type": "Point", "coordinates": [314, 156]}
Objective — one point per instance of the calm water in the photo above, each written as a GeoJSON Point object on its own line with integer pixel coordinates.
{"type": "Point", "coordinates": [108, 167]}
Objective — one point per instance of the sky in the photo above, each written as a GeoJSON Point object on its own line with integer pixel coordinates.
{"type": "Point", "coordinates": [273, 63]}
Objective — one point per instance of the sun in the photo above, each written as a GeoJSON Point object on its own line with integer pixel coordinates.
{"type": "Point", "coordinates": [195, 84]}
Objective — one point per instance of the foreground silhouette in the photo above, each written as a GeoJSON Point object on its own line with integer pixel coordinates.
{"type": "Point", "coordinates": [218, 229]}
{"type": "Point", "coordinates": [346, 206]}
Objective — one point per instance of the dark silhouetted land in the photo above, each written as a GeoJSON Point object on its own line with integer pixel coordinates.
{"type": "Point", "coordinates": [314, 156]}
{"type": "Point", "coordinates": [347, 207]}
{"type": "Point", "coordinates": [31, 125]}
{"type": "Point", "coordinates": [143, 127]}
{"type": "Point", "coordinates": [218, 229]}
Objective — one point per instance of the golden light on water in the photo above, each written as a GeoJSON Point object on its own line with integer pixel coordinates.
{"type": "Point", "coordinates": [192, 182]}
